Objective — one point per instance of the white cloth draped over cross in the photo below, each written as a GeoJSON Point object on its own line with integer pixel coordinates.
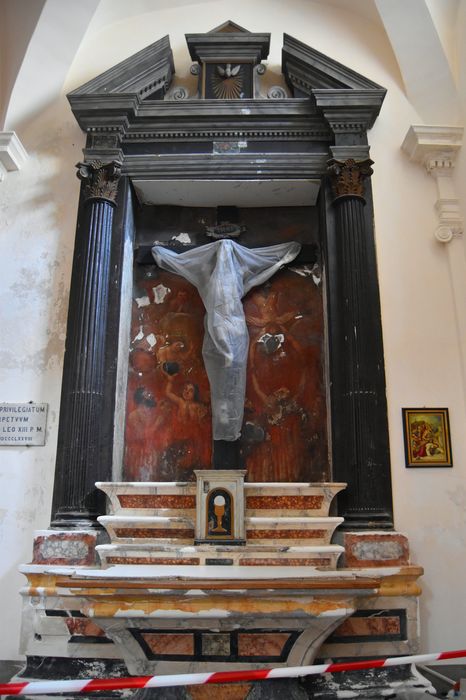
{"type": "Point", "coordinates": [223, 272]}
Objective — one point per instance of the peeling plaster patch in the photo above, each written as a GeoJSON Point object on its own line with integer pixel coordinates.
{"type": "Point", "coordinates": [276, 340]}
{"type": "Point", "coordinates": [151, 339]}
{"type": "Point", "coordinates": [182, 238]}
{"type": "Point", "coordinates": [308, 271]}
{"type": "Point", "coordinates": [140, 335]}
{"type": "Point", "coordinates": [142, 301]}
{"type": "Point", "coordinates": [160, 292]}
{"type": "Point", "coordinates": [172, 613]}
{"type": "Point", "coordinates": [43, 288]}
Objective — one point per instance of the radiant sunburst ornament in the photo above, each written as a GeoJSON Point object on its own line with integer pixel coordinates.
{"type": "Point", "coordinates": [227, 82]}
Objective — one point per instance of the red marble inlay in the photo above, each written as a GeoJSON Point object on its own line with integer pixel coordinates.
{"type": "Point", "coordinates": [263, 644]}
{"type": "Point", "coordinates": [182, 644]}
{"type": "Point", "coordinates": [157, 501]}
{"type": "Point", "coordinates": [284, 502]}
{"type": "Point", "coordinates": [234, 691]}
{"type": "Point", "coordinates": [152, 532]}
{"type": "Point", "coordinates": [153, 560]}
{"type": "Point", "coordinates": [368, 626]}
{"type": "Point", "coordinates": [83, 627]}
{"type": "Point", "coordinates": [285, 534]}
{"type": "Point", "coordinates": [285, 562]}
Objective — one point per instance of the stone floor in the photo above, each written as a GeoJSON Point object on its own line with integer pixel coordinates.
{"type": "Point", "coordinates": [349, 686]}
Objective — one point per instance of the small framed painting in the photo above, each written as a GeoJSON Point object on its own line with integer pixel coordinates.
{"type": "Point", "coordinates": [427, 437]}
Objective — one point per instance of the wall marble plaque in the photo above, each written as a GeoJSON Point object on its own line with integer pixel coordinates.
{"type": "Point", "coordinates": [22, 424]}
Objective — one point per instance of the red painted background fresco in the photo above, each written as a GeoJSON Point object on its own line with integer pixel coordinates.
{"type": "Point", "coordinates": [168, 425]}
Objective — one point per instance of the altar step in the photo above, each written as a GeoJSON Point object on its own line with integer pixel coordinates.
{"type": "Point", "coordinates": [180, 530]}
{"type": "Point", "coordinates": [324, 557]}
{"type": "Point", "coordinates": [179, 498]}
{"type": "Point", "coordinates": [285, 524]}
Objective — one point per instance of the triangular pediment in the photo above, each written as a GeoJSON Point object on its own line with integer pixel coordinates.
{"type": "Point", "coordinates": [229, 41]}
{"type": "Point", "coordinates": [117, 98]}
{"type": "Point", "coordinates": [306, 69]}
{"type": "Point", "coordinates": [229, 27]}
{"type": "Point", "coordinates": [145, 73]}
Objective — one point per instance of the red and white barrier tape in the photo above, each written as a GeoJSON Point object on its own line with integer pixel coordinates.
{"type": "Point", "coordinates": [89, 685]}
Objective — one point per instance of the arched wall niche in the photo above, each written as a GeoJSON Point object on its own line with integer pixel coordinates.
{"type": "Point", "coordinates": [304, 144]}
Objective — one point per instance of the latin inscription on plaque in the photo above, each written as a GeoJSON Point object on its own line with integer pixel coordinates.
{"type": "Point", "coordinates": [23, 423]}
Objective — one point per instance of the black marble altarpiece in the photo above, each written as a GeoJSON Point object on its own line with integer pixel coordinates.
{"type": "Point", "coordinates": [142, 131]}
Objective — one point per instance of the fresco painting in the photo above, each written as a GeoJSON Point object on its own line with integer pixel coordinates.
{"type": "Point", "coordinates": [168, 425]}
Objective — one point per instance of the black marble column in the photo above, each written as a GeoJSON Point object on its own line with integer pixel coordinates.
{"type": "Point", "coordinates": [359, 412]}
{"type": "Point", "coordinates": [80, 456]}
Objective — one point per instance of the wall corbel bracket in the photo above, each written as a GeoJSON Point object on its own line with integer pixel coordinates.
{"type": "Point", "coordinates": [436, 147]}
{"type": "Point", "coordinates": [12, 153]}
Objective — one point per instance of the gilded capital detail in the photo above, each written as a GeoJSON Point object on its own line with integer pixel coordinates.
{"type": "Point", "coordinates": [101, 179]}
{"type": "Point", "coordinates": [348, 176]}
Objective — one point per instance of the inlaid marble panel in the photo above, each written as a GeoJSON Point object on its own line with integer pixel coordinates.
{"type": "Point", "coordinates": [215, 644]}
{"type": "Point", "coordinates": [156, 501]}
{"type": "Point", "coordinates": [73, 548]}
{"type": "Point", "coordinates": [262, 644]}
{"type": "Point", "coordinates": [235, 691]}
{"type": "Point", "coordinates": [169, 644]}
{"type": "Point", "coordinates": [373, 626]}
{"type": "Point", "coordinates": [151, 533]}
{"type": "Point", "coordinates": [375, 549]}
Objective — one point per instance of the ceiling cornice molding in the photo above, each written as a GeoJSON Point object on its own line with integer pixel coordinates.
{"type": "Point", "coordinates": [13, 155]}
{"type": "Point", "coordinates": [435, 148]}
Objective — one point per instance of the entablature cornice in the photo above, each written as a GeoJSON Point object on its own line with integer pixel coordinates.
{"type": "Point", "coordinates": [349, 109]}
{"type": "Point", "coordinates": [226, 167]}
{"type": "Point", "coordinates": [243, 46]}
{"type": "Point", "coordinates": [285, 119]}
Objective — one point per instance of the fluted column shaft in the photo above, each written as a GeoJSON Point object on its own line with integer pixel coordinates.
{"type": "Point", "coordinates": [361, 450]}
{"type": "Point", "coordinates": [79, 459]}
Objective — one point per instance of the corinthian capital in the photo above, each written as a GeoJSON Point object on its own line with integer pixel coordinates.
{"type": "Point", "coordinates": [101, 179]}
{"type": "Point", "coordinates": [348, 176]}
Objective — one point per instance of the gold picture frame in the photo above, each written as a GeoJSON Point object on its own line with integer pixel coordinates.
{"type": "Point", "coordinates": [427, 438]}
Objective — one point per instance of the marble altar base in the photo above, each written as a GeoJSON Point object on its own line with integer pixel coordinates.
{"type": "Point", "coordinates": [152, 600]}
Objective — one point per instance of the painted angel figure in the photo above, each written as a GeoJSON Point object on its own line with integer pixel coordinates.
{"type": "Point", "coordinates": [223, 272]}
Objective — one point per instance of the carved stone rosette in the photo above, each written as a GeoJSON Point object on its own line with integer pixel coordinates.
{"type": "Point", "coordinates": [348, 176]}
{"type": "Point", "coordinates": [101, 179]}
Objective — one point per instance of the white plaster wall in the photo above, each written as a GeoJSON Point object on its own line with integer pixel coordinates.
{"type": "Point", "coordinates": [36, 246]}
{"type": "Point", "coordinates": [17, 24]}
{"type": "Point", "coordinates": [417, 281]}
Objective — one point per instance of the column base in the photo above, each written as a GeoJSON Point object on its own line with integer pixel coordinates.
{"type": "Point", "coordinates": [76, 520]}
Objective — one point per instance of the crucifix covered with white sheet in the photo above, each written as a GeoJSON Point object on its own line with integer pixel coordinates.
{"type": "Point", "coordinates": [223, 272]}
